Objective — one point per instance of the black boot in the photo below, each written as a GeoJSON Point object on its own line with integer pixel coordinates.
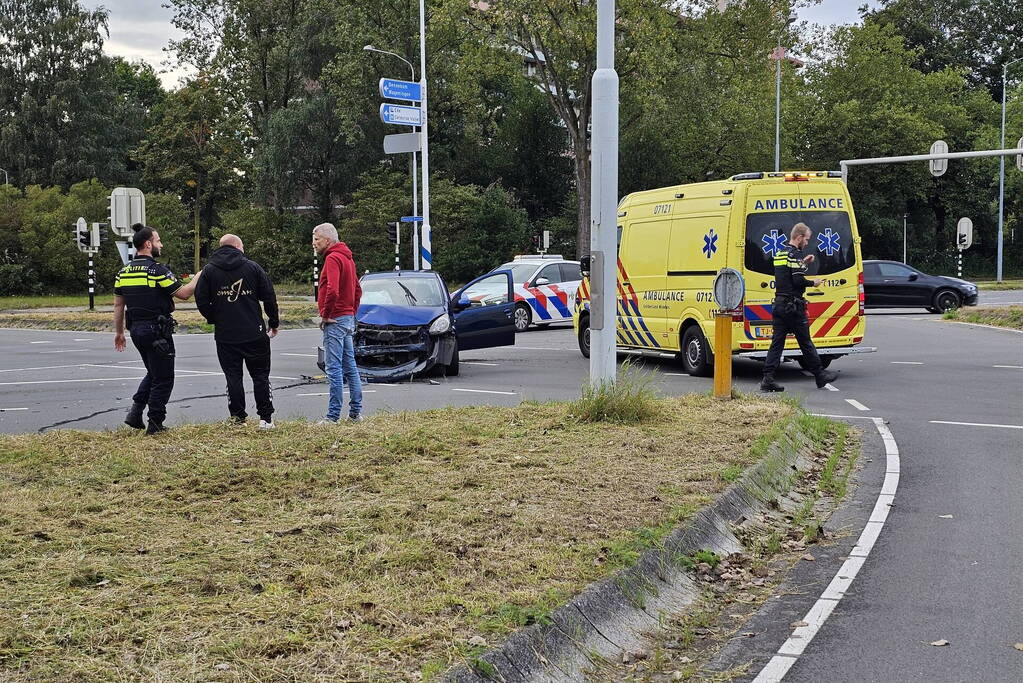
{"type": "Point", "coordinates": [825, 377]}
{"type": "Point", "coordinates": [768, 384]}
{"type": "Point", "coordinates": [134, 417]}
{"type": "Point", "coordinates": [155, 427]}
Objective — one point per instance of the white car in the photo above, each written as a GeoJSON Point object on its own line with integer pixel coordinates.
{"type": "Point", "coordinates": [544, 288]}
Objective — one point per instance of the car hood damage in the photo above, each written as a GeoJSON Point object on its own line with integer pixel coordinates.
{"type": "Point", "coordinates": [393, 343]}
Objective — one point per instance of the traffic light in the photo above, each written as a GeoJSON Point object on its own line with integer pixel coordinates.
{"type": "Point", "coordinates": [83, 238]}
{"type": "Point", "coordinates": [536, 242]}
{"type": "Point", "coordinates": [392, 232]}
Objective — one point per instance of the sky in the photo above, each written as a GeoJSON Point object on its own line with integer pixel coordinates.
{"type": "Point", "coordinates": [140, 29]}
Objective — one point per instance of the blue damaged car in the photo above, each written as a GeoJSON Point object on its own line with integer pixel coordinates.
{"type": "Point", "coordinates": [408, 324]}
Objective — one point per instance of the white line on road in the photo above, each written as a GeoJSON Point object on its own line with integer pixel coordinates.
{"type": "Point", "coordinates": [975, 424]}
{"type": "Point", "coordinates": [484, 391]}
{"type": "Point", "coordinates": [906, 362]}
{"type": "Point", "coordinates": [290, 379]}
{"type": "Point", "coordinates": [989, 327]}
{"type": "Point", "coordinates": [472, 362]}
{"type": "Point", "coordinates": [84, 339]}
{"type": "Point", "coordinates": [538, 348]}
{"type": "Point", "coordinates": [365, 391]}
{"type": "Point", "coordinates": [65, 351]}
{"type": "Point", "coordinates": [856, 404]}
{"type": "Point", "coordinates": [57, 367]}
{"type": "Point", "coordinates": [41, 342]}
{"type": "Point", "coordinates": [68, 381]}
{"type": "Point", "coordinates": [792, 648]}
{"type": "Point", "coordinates": [1009, 367]}
{"type": "Point", "coordinates": [831, 387]}
{"type": "Point", "coordinates": [10, 410]}
{"type": "Point", "coordinates": [303, 355]}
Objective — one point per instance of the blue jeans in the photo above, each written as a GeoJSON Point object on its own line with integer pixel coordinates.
{"type": "Point", "coordinates": [339, 359]}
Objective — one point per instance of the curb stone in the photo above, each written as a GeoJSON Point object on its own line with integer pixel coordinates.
{"type": "Point", "coordinates": [611, 617]}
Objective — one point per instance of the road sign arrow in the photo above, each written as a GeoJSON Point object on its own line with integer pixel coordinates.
{"type": "Point", "coordinates": [394, 89]}
{"type": "Point", "coordinates": [400, 115]}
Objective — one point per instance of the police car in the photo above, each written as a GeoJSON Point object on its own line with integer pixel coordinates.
{"type": "Point", "coordinates": [545, 287]}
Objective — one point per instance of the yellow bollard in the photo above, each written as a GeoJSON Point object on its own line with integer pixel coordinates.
{"type": "Point", "coordinates": [722, 355]}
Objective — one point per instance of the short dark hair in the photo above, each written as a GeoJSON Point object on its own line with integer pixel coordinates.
{"type": "Point", "coordinates": [142, 235]}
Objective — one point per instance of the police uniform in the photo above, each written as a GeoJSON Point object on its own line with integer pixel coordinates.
{"type": "Point", "coordinates": [789, 315]}
{"type": "Point", "coordinates": [148, 290]}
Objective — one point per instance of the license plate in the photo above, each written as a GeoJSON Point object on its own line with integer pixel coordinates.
{"type": "Point", "coordinates": [763, 331]}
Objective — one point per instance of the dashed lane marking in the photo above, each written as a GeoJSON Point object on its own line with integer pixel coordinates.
{"type": "Point", "coordinates": [906, 362]}
{"type": "Point", "coordinates": [41, 342]}
{"type": "Point", "coordinates": [1009, 367]}
{"type": "Point", "coordinates": [830, 387]}
{"type": "Point", "coordinates": [792, 648]}
{"type": "Point", "coordinates": [84, 339]}
{"type": "Point", "coordinates": [472, 362]}
{"type": "Point", "coordinates": [485, 391]}
{"type": "Point", "coordinates": [69, 381]}
{"type": "Point", "coordinates": [856, 404]}
{"type": "Point", "coordinates": [301, 355]}
{"type": "Point", "coordinates": [65, 351]}
{"type": "Point", "coordinates": [11, 410]}
{"type": "Point", "coordinates": [975, 424]}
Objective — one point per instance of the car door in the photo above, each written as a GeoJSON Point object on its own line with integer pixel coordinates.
{"type": "Point", "coordinates": [899, 288]}
{"type": "Point", "coordinates": [487, 322]}
{"type": "Point", "coordinates": [571, 278]}
{"type": "Point", "coordinates": [873, 287]}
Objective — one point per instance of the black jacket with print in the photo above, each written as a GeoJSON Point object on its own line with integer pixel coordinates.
{"type": "Point", "coordinates": [229, 294]}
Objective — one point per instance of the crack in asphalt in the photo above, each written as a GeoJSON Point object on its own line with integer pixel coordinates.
{"type": "Point", "coordinates": [307, 382]}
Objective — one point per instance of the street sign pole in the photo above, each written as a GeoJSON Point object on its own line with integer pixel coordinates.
{"type": "Point", "coordinates": [397, 241]}
{"type": "Point", "coordinates": [604, 203]}
{"type": "Point", "coordinates": [92, 285]}
{"type": "Point", "coordinates": [426, 249]}
{"type": "Point", "coordinates": [316, 277]}
{"type": "Point", "coordinates": [415, 212]}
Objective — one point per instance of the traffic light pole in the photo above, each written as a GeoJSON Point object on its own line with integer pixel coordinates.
{"type": "Point", "coordinates": [316, 277]}
{"type": "Point", "coordinates": [92, 285]}
{"type": "Point", "coordinates": [397, 242]}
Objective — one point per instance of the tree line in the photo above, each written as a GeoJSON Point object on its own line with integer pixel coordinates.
{"type": "Point", "coordinates": [277, 128]}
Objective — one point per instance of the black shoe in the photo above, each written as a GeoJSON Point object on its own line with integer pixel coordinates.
{"type": "Point", "coordinates": [770, 385]}
{"type": "Point", "coordinates": [134, 417]}
{"type": "Point", "coordinates": [825, 377]}
{"type": "Point", "coordinates": [155, 427]}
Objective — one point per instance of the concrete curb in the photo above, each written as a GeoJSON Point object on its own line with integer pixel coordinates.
{"type": "Point", "coordinates": [612, 616]}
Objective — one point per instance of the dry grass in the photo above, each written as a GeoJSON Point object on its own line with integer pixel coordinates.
{"type": "Point", "coordinates": [293, 315]}
{"type": "Point", "coordinates": [373, 551]}
{"type": "Point", "coordinates": [1002, 316]}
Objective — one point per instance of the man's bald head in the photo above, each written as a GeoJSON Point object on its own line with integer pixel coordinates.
{"type": "Point", "coordinates": [230, 240]}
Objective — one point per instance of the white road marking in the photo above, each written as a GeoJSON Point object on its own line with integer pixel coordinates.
{"type": "Point", "coordinates": [365, 391]}
{"type": "Point", "coordinates": [678, 374]}
{"type": "Point", "coordinates": [792, 648]}
{"type": "Point", "coordinates": [472, 362]}
{"type": "Point", "coordinates": [68, 381]}
{"type": "Point", "coordinates": [56, 367]}
{"type": "Point", "coordinates": [856, 404]}
{"type": "Point", "coordinates": [830, 387]}
{"type": "Point", "coordinates": [975, 424]}
{"type": "Point", "coordinates": [84, 339]}
{"type": "Point", "coordinates": [302, 355]}
{"type": "Point", "coordinates": [64, 351]}
{"type": "Point", "coordinates": [290, 379]}
{"type": "Point", "coordinates": [10, 410]}
{"type": "Point", "coordinates": [41, 342]}
{"type": "Point", "coordinates": [1009, 367]}
{"type": "Point", "coordinates": [484, 391]}
{"type": "Point", "coordinates": [538, 348]}
{"type": "Point", "coordinates": [906, 362]}
{"type": "Point", "coordinates": [989, 327]}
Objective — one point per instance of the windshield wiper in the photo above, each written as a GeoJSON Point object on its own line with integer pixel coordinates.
{"type": "Point", "coordinates": [408, 295]}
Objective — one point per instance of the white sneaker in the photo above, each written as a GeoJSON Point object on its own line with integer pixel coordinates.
{"type": "Point", "coordinates": [355, 418]}
{"type": "Point", "coordinates": [263, 424]}
{"type": "Point", "coordinates": [325, 421]}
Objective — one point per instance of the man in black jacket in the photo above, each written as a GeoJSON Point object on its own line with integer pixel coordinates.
{"type": "Point", "coordinates": [228, 296]}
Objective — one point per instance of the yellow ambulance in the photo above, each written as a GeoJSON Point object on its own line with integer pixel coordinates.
{"type": "Point", "coordinates": [673, 241]}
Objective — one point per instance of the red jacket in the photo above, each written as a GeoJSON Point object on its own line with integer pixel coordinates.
{"type": "Point", "coordinates": [339, 292]}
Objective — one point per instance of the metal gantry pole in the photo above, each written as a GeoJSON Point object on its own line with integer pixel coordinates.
{"type": "Point", "coordinates": [426, 249]}
{"type": "Point", "coordinates": [1001, 170]}
{"type": "Point", "coordinates": [604, 203]}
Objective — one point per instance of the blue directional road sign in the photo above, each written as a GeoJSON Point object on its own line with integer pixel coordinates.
{"type": "Point", "coordinates": [401, 115]}
{"type": "Point", "coordinates": [411, 219]}
{"type": "Point", "coordinates": [400, 90]}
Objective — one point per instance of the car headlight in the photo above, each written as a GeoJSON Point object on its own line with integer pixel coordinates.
{"type": "Point", "coordinates": [441, 325]}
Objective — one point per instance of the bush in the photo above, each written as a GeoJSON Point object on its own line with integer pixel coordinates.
{"type": "Point", "coordinates": [628, 400]}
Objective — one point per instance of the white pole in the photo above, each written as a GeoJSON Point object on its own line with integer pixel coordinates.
{"type": "Point", "coordinates": [604, 203]}
{"type": "Point", "coordinates": [1001, 174]}
{"type": "Point", "coordinates": [415, 212]}
{"type": "Point", "coordinates": [904, 217]}
{"type": "Point", "coordinates": [427, 238]}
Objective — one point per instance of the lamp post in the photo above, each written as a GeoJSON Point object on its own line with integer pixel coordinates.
{"type": "Point", "coordinates": [426, 248]}
{"type": "Point", "coordinates": [1001, 168]}
{"type": "Point", "coordinates": [780, 53]}
{"type": "Point", "coordinates": [415, 165]}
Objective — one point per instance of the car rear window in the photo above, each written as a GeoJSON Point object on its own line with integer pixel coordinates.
{"type": "Point", "coordinates": [831, 244]}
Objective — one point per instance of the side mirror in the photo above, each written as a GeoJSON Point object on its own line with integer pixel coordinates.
{"type": "Point", "coordinates": [913, 277]}
{"type": "Point", "coordinates": [541, 281]}
{"type": "Point", "coordinates": [462, 303]}
{"type": "Point", "coordinates": [584, 265]}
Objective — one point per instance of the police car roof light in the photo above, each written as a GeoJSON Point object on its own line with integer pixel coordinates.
{"type": "Point", "coordinates": [532, 257]}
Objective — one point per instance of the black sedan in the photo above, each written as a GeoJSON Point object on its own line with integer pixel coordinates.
{"type": "Point", "coordinates": [890, 284]}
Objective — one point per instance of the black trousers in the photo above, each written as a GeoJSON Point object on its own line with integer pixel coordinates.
{"type": "Point", "coordinates": [158, 357]}
{"type": "Point", "coordinates": [797, 324]}
{"type": "Point", "coordinates": [256, 357]}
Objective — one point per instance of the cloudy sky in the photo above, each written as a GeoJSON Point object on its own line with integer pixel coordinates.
{"type": "Point", "coordinates": [140, 29]}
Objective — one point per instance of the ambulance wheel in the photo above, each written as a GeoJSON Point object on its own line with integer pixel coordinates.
{"type": "Point", "coordinates": [696, 356]}
{"type": "Point", "coordinates": [584, 336]}
{"type": "Point", "coordinates": [825, 362]}
{"type": "Point", "coordinates": [451, 369]}
{"type": "Point", "coordinates": [522, 317]}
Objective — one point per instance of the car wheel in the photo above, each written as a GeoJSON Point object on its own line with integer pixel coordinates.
{"type": "Point", "coordinates": [946, 300]}
{"type": "Point", "coordinates": [451, 369]}
{"type": "Point", "coordinates": [825, 362]}
{"type": "Point", "coordinates": [696, 356]}
{"type": "Point", "coordinates": [584, 336]}
{"type": "Point", "coordinates": [522, 317]}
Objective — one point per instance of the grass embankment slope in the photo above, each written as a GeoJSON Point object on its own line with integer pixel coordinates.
{"type": "Point", "coordinates": [386, 550]}
{"type": "Point", "coordinates": [1010, 317]}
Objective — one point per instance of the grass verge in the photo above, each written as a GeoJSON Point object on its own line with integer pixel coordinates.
{"type": "Point", "coordinates": [1010, 317]}
{"type": "Point", "coordinates": [385, 550]}
{"type": "Point", "coordinates": [995, 286]}
{"type": "Point", "coordinates": [293, 315]}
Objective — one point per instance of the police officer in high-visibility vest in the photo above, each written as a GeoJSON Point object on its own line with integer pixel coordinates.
{"type": "Point", "coordinates": [789, 310]}
{"type": "Point", "coordinates": [144, 294]}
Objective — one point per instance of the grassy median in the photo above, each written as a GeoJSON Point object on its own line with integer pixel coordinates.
{"type": "Point", "coordinates": [1010, 317]}
{"type": "Point", "coordinates": [293, 315]}
{"type": "Point", "coordinates": [385, 550]}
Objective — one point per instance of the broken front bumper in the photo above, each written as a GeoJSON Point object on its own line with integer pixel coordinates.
{"type": "Point", "coordinates": [386, 353]}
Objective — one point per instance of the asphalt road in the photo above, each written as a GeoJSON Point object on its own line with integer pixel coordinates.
{"type": "Point", "coordinates": [952, 394]}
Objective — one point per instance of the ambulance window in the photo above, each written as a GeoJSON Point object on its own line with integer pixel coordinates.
{"type": "Point", "coordinates": [831, 244]}
{"type": "Point", "coordinates": [619, 238]}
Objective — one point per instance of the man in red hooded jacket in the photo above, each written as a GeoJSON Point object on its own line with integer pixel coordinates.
{"type": "Point", "coordinates": [339, 295]}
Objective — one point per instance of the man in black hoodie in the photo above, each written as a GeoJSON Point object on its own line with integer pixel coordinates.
{"type": "Point", "coordinates": [228, 296]}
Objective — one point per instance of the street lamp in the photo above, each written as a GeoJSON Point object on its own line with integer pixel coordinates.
{"type": "Point", "coordinates": [780, 53]}
{"type": "Point", "coordinates": [415, 166]}
{"type": "Point", "coordinates": [1001, 168]}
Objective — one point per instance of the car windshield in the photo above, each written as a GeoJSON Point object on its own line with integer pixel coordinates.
{"type": "Point", "coordinates": [831, 244]}
{"type": "Point", "coordinates": [521, 272]}
{"type": "Point", "coordinates": [403, 291]}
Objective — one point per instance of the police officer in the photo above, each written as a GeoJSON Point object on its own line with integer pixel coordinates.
{"type": "Point", "coordinates": [147, 290]}
{"type": "Point", "coordinates": [790, 310]}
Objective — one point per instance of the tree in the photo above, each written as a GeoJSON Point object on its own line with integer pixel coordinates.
{"type": "Point", "coordinates": [56, 100]}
